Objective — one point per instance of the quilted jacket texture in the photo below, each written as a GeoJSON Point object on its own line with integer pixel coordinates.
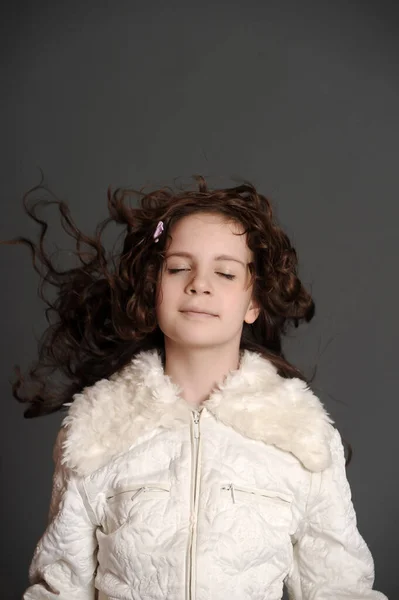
{"type": "Point", "coordinates": [154, 500]}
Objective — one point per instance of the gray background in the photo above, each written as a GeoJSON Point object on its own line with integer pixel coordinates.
{"type": "Point", "coordinates": [299, 97]}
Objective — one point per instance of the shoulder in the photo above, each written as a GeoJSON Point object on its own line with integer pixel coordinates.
{"type": "Point", "coordinates": [262, 405]}
{"type": "Point", "coordinates": [107, 417]}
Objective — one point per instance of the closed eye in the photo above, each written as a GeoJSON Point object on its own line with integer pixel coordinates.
{"type": "Point", "coordinates": [226, 275]}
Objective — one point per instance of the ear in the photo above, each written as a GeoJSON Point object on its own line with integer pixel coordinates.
{"type": "Point", "coordinates": [252, 312]}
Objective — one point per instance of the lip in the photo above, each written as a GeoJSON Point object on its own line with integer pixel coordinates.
{"type": "Point", "coordinates": [197, 313]}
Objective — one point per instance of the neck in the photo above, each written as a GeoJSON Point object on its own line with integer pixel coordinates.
{"type": "Point", "coordinates": [198, 371]}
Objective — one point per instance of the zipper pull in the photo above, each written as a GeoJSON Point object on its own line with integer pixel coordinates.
{"type": "Point", "coordinates": [139, 491]}
{"type": "Point", "coordinates": [232, 493]}
{"type": "Point", "coordinates": [196, 417]}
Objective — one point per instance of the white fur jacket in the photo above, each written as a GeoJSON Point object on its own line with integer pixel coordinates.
{"type": "Point", "coordinates": [153, 500]}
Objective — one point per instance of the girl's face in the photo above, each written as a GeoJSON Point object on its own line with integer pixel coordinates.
{"type": "Point", "coordinates": [203, 294]}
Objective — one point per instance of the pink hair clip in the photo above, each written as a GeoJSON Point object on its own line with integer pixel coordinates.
{"type": "Point", "coordinates": [158, 231]}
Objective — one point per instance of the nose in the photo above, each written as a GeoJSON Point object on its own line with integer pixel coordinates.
{"type": "Point", "coordinates": [198, 285]}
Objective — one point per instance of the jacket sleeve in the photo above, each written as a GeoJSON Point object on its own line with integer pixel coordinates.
{"type": "Point", "coordinates": [331, 559]}
{"type": "Point", "coordinates": [65, 559]}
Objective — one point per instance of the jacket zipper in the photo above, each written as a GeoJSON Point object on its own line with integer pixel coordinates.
{"type": "Point", "coordinates": [270, 494]}
{"type": "Point", "coordinates": [161, 487]}
{"type": "Point", "coordinates": [195, 442]}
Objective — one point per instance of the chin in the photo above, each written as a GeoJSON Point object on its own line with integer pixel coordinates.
{"type": "Point", "coordinates": [190, 341]}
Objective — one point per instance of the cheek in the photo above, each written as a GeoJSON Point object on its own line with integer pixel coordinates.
{"type": "Point", "coordinates": [241, 307]}
{"type": "Point", "coordinates": [238, 298]}
{"type": "Point", "coordinates": [159, 294]}
{"type": "Point", "coordinates": [165, 294]}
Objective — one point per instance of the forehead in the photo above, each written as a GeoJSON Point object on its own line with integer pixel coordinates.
{"type": "Point", "coordinates": [209, 233]}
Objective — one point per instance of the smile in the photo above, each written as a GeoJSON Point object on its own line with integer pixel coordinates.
{"type": "Point", "coordinates": [191, 313]}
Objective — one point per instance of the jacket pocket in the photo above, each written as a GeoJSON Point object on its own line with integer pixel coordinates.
{"type": "Point", "coordinates": [238, 491]}
{"type": "Point", "coordinates": [272, 506]}
{"type": "Point", "coordinates": [122, 504]}
{"type": "Point", "coordinates": [138, 488]}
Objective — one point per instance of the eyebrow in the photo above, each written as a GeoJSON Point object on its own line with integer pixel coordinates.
{"type": "Point", "coordinates": [220, 257]}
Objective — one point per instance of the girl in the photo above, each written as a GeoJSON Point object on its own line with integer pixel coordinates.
{"type": "Point", "coordinates": [195, 463]}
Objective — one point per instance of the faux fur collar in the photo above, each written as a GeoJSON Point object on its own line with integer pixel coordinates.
{"type": "Point", "coordinates": [105, 419]}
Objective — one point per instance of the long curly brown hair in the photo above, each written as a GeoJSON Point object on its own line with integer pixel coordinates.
{"type": "Point", "coordinates": [103, 312]}
{"type": "Point", "coordinates": [104, 308]}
